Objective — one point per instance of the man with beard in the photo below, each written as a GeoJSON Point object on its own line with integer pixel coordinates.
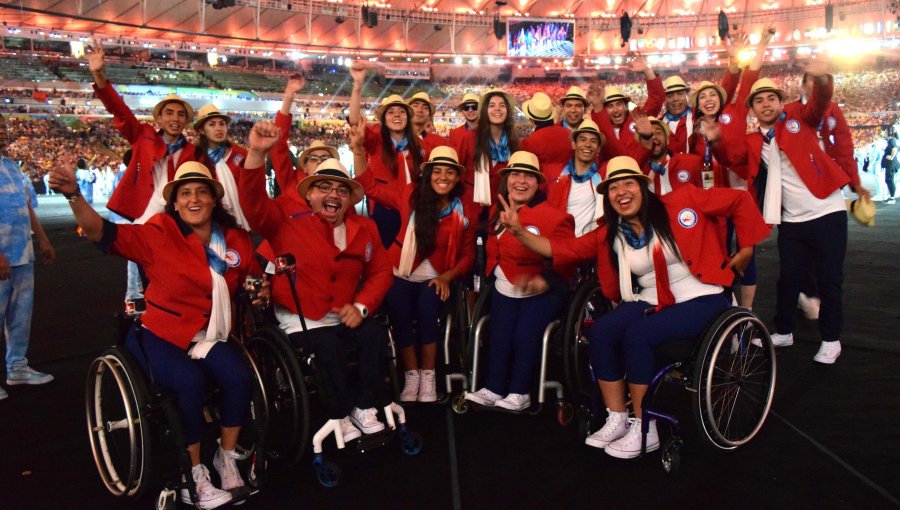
{"type": "Point", "coordinates": [668, 171]}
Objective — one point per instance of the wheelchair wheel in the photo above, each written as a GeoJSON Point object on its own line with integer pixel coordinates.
{"type": "Point", "coordinates": [116, 403]}
{"type": "Point", "coordinates": [586, 306]}
{"type": "Point", "coordinates": [734, 375]}
{"type": "Point", "coordinates": [285, 394]}
{"type": "Point", "coordinates": [671, 455]}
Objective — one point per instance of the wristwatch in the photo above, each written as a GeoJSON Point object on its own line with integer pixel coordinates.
{"type": "Point", "coordinates": [72, 197]}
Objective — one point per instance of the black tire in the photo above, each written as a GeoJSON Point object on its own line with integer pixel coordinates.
{"type": "Point", "coordinates": [734, 378]}
{"type": "Point", "coordinates": [116, 400]}
{"type": "Point", "coordinates": [671, 455]}
{"type": "Point", "coordinates": [286, 396]}
{"type": "Point", "coordinates": [586, 306]}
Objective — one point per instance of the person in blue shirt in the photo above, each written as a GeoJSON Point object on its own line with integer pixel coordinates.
{"type": "Point", "coordinates": [86, 180]}
{"type": "Point", "coordinates": [17, 220]}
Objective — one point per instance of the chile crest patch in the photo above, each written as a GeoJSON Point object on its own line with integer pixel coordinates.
{"type": "Point", "coordinates": [687, 218]}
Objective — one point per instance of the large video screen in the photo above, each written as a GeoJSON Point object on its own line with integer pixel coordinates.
{"type": "Point", "coordinates": [540, 38]}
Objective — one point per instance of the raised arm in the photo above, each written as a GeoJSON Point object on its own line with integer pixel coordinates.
{"type": "Point", "coordinates": [264, 216]}
{"type": "Point", "coordinates": [358, 72]}
{"type": "Point", "coordinates": [760, 55]}
{"type": "Point", "coordinates": [280, 153]}
{"type": "Point", "coordinates": [97, 63]}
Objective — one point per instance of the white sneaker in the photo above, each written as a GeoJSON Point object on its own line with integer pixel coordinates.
{"type": "Point", "coordinates": [514, 402]}
{"type": "Point", "coordinates": [484, 397]}
{"type": "Point", "coordinates": [348, 430]}
{"type": "Point", "coordinates": [779, 340]}
{"type": "Point", "coordinates": [810, 306]}
{"type": "Point", "coordinates": [615, 428]}
{"type": "Point", "coordinates": [26, 375]}
{"type": "Point", "coordinates": [828, 352]}
{"type": "Point", "coordinates": [629, 446]}
{"type": "Point", "coordinates": [208, 496]}
{"type": "Point", "coordinates": [410, 386]}
{"type": "Point", "coordinates": [427, 390]}
{"type": "Point", "coordinates": [366, 420]}
{"type": "Point", "coordinates": [225, 463]}
{"type": "Point", "coordinates": [3, 394]}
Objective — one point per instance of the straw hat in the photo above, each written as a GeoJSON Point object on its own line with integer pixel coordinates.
{"type": "Point", "coordinates": [468, 98]}
{"type": "Point", "coordinates": [332, 170]}
{"type": "Point", "coordinates": [173, 98]}
{"type": "Point", "coordinates": [539, 108]}
{"type": "Point", "coordinates": [523, 161]}
{"type": "Point", "coordinates": [764, 85]}
{"type": "Point", "coordinates": [618, 168]}
{"type": "Point", "coordinates": [192, 171]}
{"type": "Point", "coordinates": [862, 211]}
{"type": "Point", "coordinates": [424, 97]}
{"type": "Point", "coordinates": [443, 155]}
{"type": "Point", "coordinates": [392, 100]}
{"type": "Point", "coordinates": [316, 145]}
{"type": "Point", "coordinates": [695, 97]}
{"type": "Point", "coordinates": [663, 125]}
{"type": "Point", "coordinates": [588, 126]}
{"type": "Point", "coordinates": [575, 92]}
{"type": "Point", "coordinates": [675, 84]}
{"type": "Point", "coordinates": [207, 112]}
{"type": "Point", "coordinates": [612, 93]}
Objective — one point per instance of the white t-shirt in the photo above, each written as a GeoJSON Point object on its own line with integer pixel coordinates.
{"type": "Point", "coordinates": [797, 202]}
{"type": "Point", "coordinates": [583, 206]}
{"type": "Point", "coordinates": [683, 284]}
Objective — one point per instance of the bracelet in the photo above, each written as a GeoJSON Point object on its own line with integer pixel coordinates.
{"type": "Point", "coordinates": [72, 197]}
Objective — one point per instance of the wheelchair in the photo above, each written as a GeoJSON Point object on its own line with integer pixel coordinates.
{"type": "Point", "coordinates": [134, 427]}
{"type": "Point", "coordinates": [290, 376]}
{"type": "Point", "coordinates": [729, 373]}
{"type": "Point", "coordinates": [473, 357]}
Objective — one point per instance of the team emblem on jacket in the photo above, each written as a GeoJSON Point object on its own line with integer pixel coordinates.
{"type": "Point", "coordinates": [232, 258]}
{"type": "Point", "coordinates": [534, 230]}
{"type": "Point", "coordinates": [725, 119]}
{"type": "Point", "coordinates": [687, 218]}
{"type": "Point", "coordinates": [632, 127]}
{"type": "Point", "coordinates": [369, 251]}
{"type": "Point", "coordinates": [793, 126]}
{"type": "Point", "coordinates": [237, 158]}
{"type": "Point", "coordinates": [832, 122]}
{"type": "Point", "coordinates": [683, 176]}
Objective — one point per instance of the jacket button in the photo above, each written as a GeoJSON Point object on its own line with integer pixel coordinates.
{"type": "Point", "coordinates": [333, 278]}
{"type": "Point", "coordinates": [699, 275]}
{"type": "Point", "coordinates": [689, 262]}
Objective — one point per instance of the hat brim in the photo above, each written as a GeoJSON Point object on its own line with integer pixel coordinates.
{"type": "Point", "coordinates": [575, 134]}
{"type": "Point", "coordinates": [464, 103]}
{"type": "Point", "coordinates": [356, 190]}
{"type": "Point", "coordinates": [526, 109]}
{"type": "Point", "coordinates": [459, 168]}
{"type": "Point", "coordinates": [304, 155]}
{"type": "Point", "coordinates": [199, 122]}
{"type": "Point", "coordinates": [617, 98]}
{"type": "Point", "coordinates": [172, 185]}
{"type": "Point", "coordinates": [678, 88]}
{"type": "Point", "coordinates": [526, 169]}
{"type": "Point", "coordinates": [612, 177]}
{"type": "Point", "coordinates": [695, 97]}
{"type": "Point", "coordinates": [157, 110]}
{"type": "Point", "coordinates": [781, 94]}
{"type": "Point", "coordinates": [583, 100]}
{"type": "Point", "coordinates": [379, 112]}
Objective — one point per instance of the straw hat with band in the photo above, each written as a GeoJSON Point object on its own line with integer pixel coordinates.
{"type": "Point", "coordinates": [424, 97]}
{"type": "Point", "coordinates": [695, 97]}
{"type": "Point", "coordinates": [654, 120]}
{"type": "Point", "coordinates": [192, 171]}
{"type": "Point", "coordinates": [863, 211]}
{"type": "Point", "coordinates": [588, 126]}
{"type": "Point", "coordinates": [764, 85]}
{"type": "Point", "coordinates": [468, 98]}
{"type": "Point", "coordinates": [316, 145]}
{"type": "Point", "coordinates": [523, 161]}
{"type": "Point", "coordinates": [173, 98]}
{"type": "Point", "coordinates": [621, 167]}
{"type": "Point", "coordinates": [613, 93]}
{"type": "Point", "coordinates": [483, 101]}
{"type": "Point", "coordinates": [675, 84]}
{"type": "Point", "coordinates": [206, 112]}
{"type": "Point", "coordinates": [443, 155]}
{"type": "Point", "coordinates": [575, 92]}
{"type": "Point", "coordinates": [332, 170]}
{"type": "Point", "coordinates": [392, 100]}
{"type": "Point", "coordinates": [539, 108]}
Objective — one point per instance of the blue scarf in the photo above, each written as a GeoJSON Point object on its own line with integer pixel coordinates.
{"type": "Point", "coordinates": [215, 155]}
{"type": "Point", "coordinates": [592, 173]}
{"type": "Point", "coordinates": [636, 242]}
{"type": "Point", "coordinates": [215, 262]}
{"type": "Point", "coordinates": [401, 145]}
{"type": "Point", "coordinates": [566, 125]}
{"type": "Point", "coordinates": [172, 148]}
{"type": "Point", "coordinates": [769, 135]}
{"type": "Point", "coordinates": [672, 118]}
{"type": "Point", "coordinates": [499, 152]}
{"type": "Point", "coordinates": [453, 207]}
{"type": "Point", "coordinates": [658, 167]}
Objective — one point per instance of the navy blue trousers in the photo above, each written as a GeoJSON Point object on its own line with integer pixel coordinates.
{"type": "Point", "coordinates": [408, 301]}
{"type": "Point", "coordinates": [174, 370]}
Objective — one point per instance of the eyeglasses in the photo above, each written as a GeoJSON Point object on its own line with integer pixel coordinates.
{"type": "Point", "coordinates": [318, 159]}
{"type": "Point", "coordinates": [469, 107]}
{"type": "Point", "coordinates": [326, 189]}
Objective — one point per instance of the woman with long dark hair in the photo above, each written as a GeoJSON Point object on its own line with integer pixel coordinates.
{"type": "Point", "coordinates": [434, 248]}
{"type": "Point", "coordinates": [222, 157]}
{"type": "Point", "coordinates": [670, 246]}
{"type": "Point", "coordinates": [196, 258]}
{"type": "Point", "coordinates": [488, 147]}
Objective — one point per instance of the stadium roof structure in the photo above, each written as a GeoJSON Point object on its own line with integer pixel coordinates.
{"type": "Point", "coordinates": [414, 27]}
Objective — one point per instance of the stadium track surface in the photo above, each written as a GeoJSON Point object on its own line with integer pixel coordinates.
{"type": "Point", "coordinates": [831, 442]}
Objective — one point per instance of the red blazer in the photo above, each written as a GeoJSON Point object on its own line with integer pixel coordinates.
{"type": "Point", "coordinates": [179, 295]}
{"type": "Point", "coordinates": [286, 174]}
{"type": "Point", "coordinates": [838, 140]}
{"type": "Point", "coordinates": [457, 134]}
{"type": "Point", "coordinates": [551, 145]}
{"type": "Point", "coordinates": [683, 170]}
{"type": "Point", "coordinates": [327, 279]}
{"type": "Point", "coordinates": [678, 140]}
{"type": "Point", "coordinates": [624, 143]}
{"type": "Point", "coordinates": [797, 137]}
{"type": "Point", "coordinates": [466, 153]}
{"type": "Point", "coordinates": [454, 244]}
{"type": "Point", "coordinates": [515, 259]}
{"type": "Point", "coordinates": [691, 216]}
{"type": "Point", "coordinates": [379, 170]}
{"type": "Point", "coordinates": [558, 189]}
{"type": "Point", "coordinates": [131, 196]}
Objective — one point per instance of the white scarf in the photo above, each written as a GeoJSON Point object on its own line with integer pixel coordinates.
{"type": "Point", "coordinates": [482, 191]}
{"type": "Point", "coordinates": [772, 202]}
{"type": "Point", "coordinates": [230, 199]}
{"type": "Point", "coordinates": [220, 315]}
{"type": "Point", "coordinates": [625, 286]}
{"type": "Point", "coordinates": [408, 251]}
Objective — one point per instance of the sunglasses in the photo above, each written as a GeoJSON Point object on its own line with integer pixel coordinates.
{"type": "Point", "coordinates": [469, 107]}
{"type": "Point", "coordinates": [326, 189]}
